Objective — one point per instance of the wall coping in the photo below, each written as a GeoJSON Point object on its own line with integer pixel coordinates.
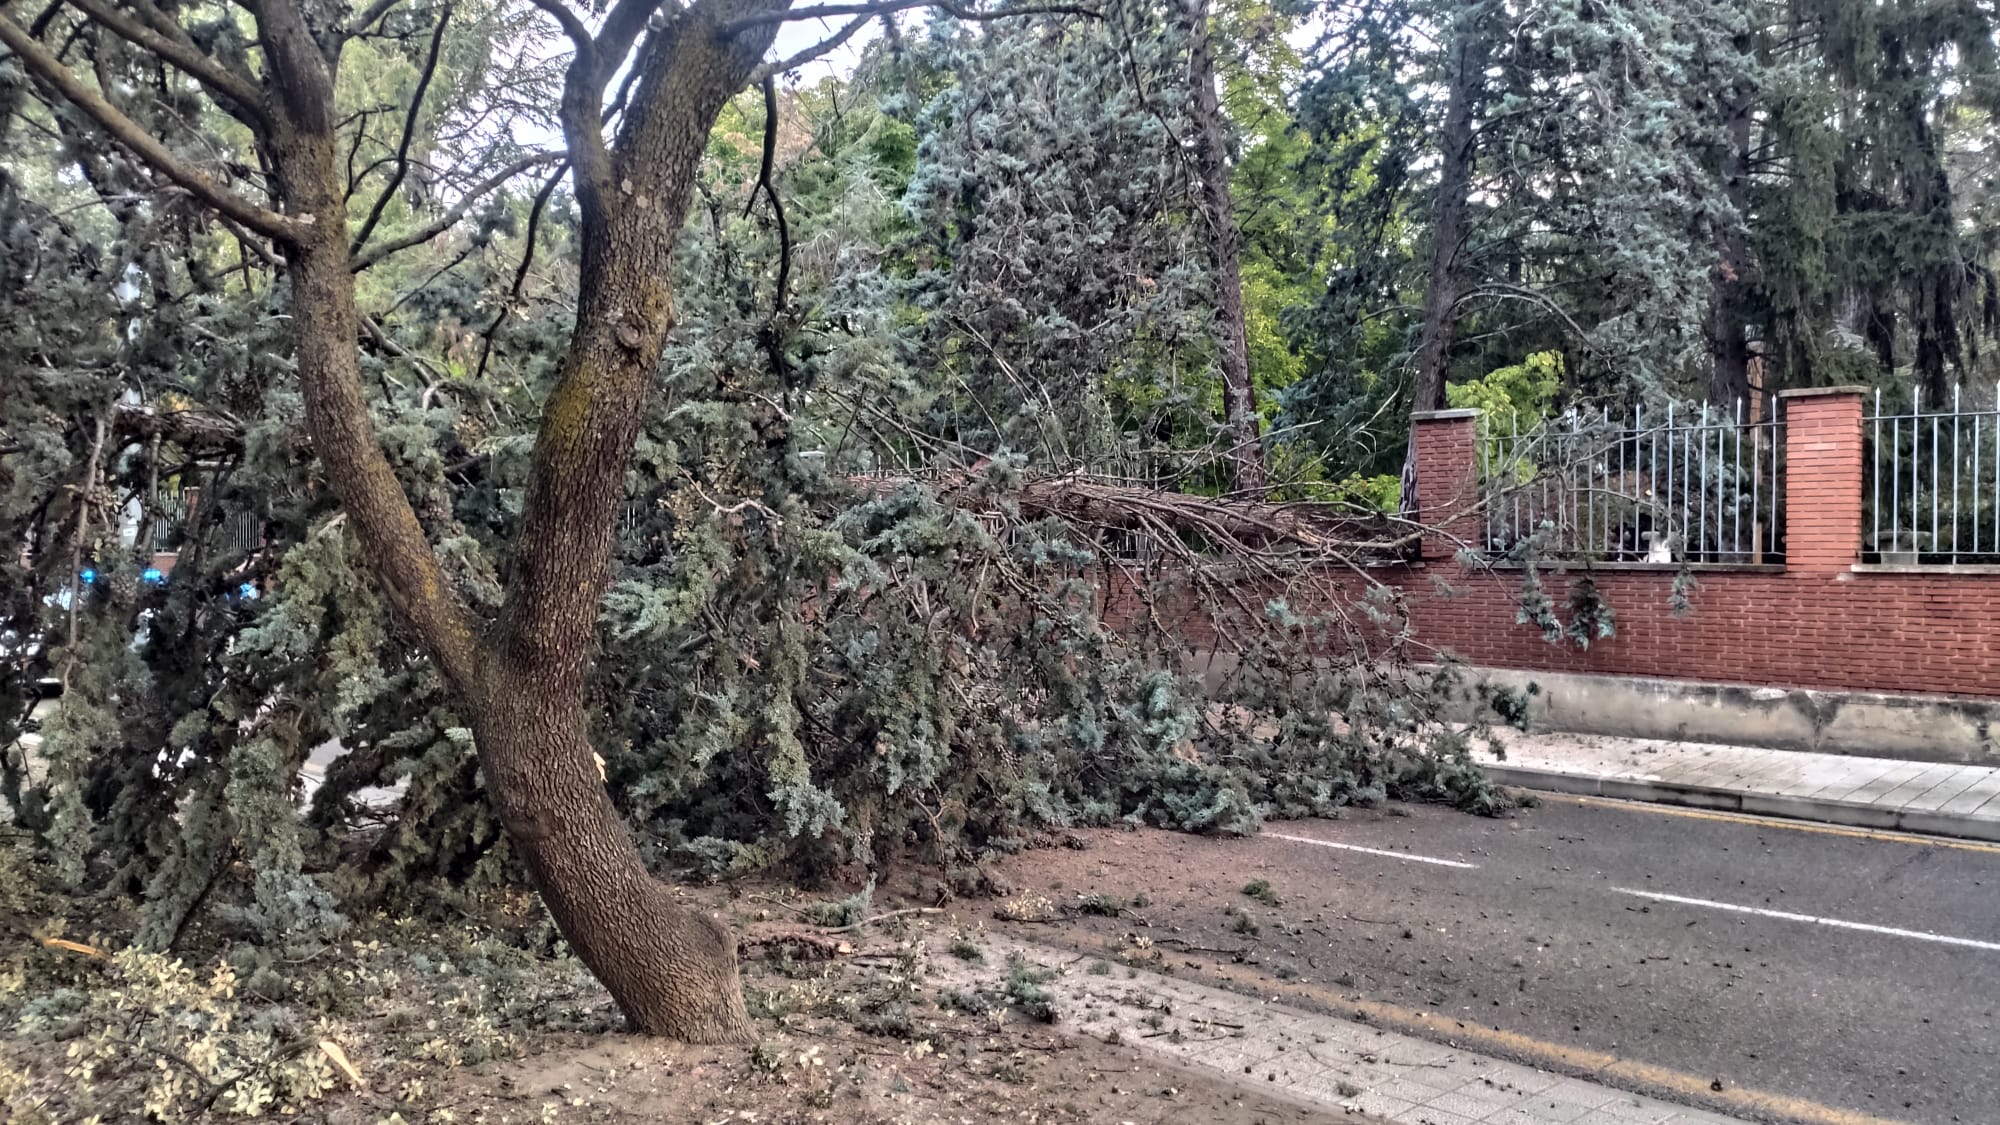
{"type": "Point", "coordinates": [1560, 566]}
{"type": "Point", "coordinates": [1444, 415]}
{"type": "Point", "coordinates": [1932, 570]}
{"type": "Point", "coordinates": [1821, 392]}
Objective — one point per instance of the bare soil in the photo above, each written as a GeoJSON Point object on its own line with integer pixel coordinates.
{"type": "Point", "coordinates": [854, 1024]}
{"type": "Point", "coordinates": [821, 1071]}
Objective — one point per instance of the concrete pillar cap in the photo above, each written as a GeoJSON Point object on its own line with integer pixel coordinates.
{"type": "Point", "coordinates": [1822, 392]}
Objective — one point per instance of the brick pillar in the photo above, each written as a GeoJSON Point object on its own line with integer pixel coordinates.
{"type": "Point", "coordinates": [1822, 479]}
{"type": "Point", "coordinates": [1447, 480]}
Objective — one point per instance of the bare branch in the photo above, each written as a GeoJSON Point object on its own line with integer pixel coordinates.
{"type": "Point", "coordinates": [770, 190]}
{"type": "Point", "coordinates": [409, 133]}
{"type": "Point", "coordinates": [205, 430]}
{"type": "Point", "coordinates": [823, 47]}
{"type": "Point", "coordinates": [148, 148]}
{"type": "Point", "coordinates": [235, 92]}
{"type": "Point", "coordinates": [521, 272]}
{"type": "Point", "coordinates": [457, 211]}
{"type": "Point", "coordinates": [1270, 530]}
{"type": "Point", "coordinates": [368, 18]}
{"type": "Point", "coordinates": [884, 7]}
{"type": "Point", "coordinates": [581, 110]}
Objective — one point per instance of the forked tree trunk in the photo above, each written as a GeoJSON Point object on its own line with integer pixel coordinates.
{"type": "Point", "coordinates": [671, 969]}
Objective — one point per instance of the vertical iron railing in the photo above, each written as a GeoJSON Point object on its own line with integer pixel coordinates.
{"type": "Point", "coordinates": [1931, 496]}
{"type": "Point", "coordinates": [1680, 484]}
{"type": "Point", "coordinates": [179, 501]}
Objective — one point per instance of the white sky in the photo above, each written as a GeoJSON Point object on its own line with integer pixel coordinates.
{"type": "Point", "coordinates": [797, 35]}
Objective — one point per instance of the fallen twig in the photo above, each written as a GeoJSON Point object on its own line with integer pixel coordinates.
{"type": "Point", "coordinates": [884, 918]}
{"type": "Point", "coordinates": [1193, 948]}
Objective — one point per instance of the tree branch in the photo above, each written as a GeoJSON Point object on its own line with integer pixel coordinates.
{"type": "Point", "coordinates": [456, 212]}
{"type": "Point", "coordinates": [633, 206]}
{"type": "Point", "coordinates": [884, 7]}
{"type": "Point", "coordinates": [409, 134]}
{"type": "Point", "coordinates": [572, 25]}
{"type": "Point", "coordinates": [770, 189]}
{"type": "Point", "coordinates": [205, 430]}
{"type": "Point", "coordinates": [148, 148]}
{"type": "Point", "coordinates": [580, 113]}
{"type": "Point", "coordinates": [1269, 530]}
{"type": "Point", "coordinates": [236, 92]}
{"type": "Point", "coordinates": [823, 47]}
{"type": "Point", "coordinates": [368, 17]}
{"type": "Point", "coordinates": [622, 26]}
{"type": "Point", "coordinates": [521, 272]}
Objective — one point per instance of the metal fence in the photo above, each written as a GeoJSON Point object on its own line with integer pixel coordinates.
{"type": "Point", "coordinates": [1931, 493]}
{"type": "Point", "coordinates": [1687, 484]}
{"type": "Point", "coordinates": [177, 502]}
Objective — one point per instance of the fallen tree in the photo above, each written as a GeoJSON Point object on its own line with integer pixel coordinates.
{"type": "Point", "coordinates": [595, 633]}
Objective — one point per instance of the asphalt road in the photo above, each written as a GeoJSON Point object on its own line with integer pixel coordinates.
{"type": "Point", "coordinates": [1548, 934]}
{"type": "Point", "coordinates": [1841, 969]}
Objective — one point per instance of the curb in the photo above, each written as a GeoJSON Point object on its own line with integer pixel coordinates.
{"type": "Point", "coordinates": [1850, 813]}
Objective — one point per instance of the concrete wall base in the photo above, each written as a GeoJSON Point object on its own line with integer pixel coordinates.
{"type": "Point", "coordinates": [1922, 728]}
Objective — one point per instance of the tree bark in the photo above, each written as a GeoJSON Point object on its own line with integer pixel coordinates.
{"type": "Point", "coordinates": [671, 969]}
{"type": "Point", "coordinates": [1728, 334]}
{"type": "Point", "coordinates": [1467, 80]}
{"type": "Point", "coordinates": [1225, 242]}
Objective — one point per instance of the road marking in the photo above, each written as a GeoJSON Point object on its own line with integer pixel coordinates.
{"type": "Point", "coordinates": [1786, 915]}
{"type": "Point", "coordinates": [1876, 834]}
{"type": "Point", "coordinates": [1413, 858]}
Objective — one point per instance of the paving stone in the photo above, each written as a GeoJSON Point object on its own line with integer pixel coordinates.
{"type": "Point", "coordinates": [1975, 795]}
{"type": "Point", "coordinates": [1961, 779]}
{"type": "Point", "coordinates": [1919, 785]}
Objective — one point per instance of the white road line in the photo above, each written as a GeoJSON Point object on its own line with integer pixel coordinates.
{"type": "Point", "coordinates": [1374, 851]}
{"type": "Point", "coordinates": [1920, 935]}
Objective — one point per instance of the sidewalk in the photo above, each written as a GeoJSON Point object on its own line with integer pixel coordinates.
{"type": "Point", "coordinates": [1337, 1065]}
{"type": "Point", "coordinates": [1942, 799]}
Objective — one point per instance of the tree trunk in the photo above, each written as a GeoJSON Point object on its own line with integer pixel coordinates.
{"type": "Point", "coordinates": [1467, 81]}
{"type": "Point", "coordinates": [1727, 334]}
{"type": "Point", "coordinates": [1225, 240]}
{"type": "Point", "coordinates": [671, 969]}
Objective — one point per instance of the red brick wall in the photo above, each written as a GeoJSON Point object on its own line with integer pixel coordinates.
{"type": "Point", "coordinates": [1816, 623]}
{"type": "Point", "coordinates": [1864, 632]}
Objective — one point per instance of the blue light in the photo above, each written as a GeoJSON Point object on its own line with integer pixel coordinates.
{"type": "Point", "coordinates": [88, 574]}
{"type": "Point", "coordinates": [152, 574]}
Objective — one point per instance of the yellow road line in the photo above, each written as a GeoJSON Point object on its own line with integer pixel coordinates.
{"type": "Point", "coordinates": [1876, 834]}
{"type": "Point", "coordinates": [1597, 1066]}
